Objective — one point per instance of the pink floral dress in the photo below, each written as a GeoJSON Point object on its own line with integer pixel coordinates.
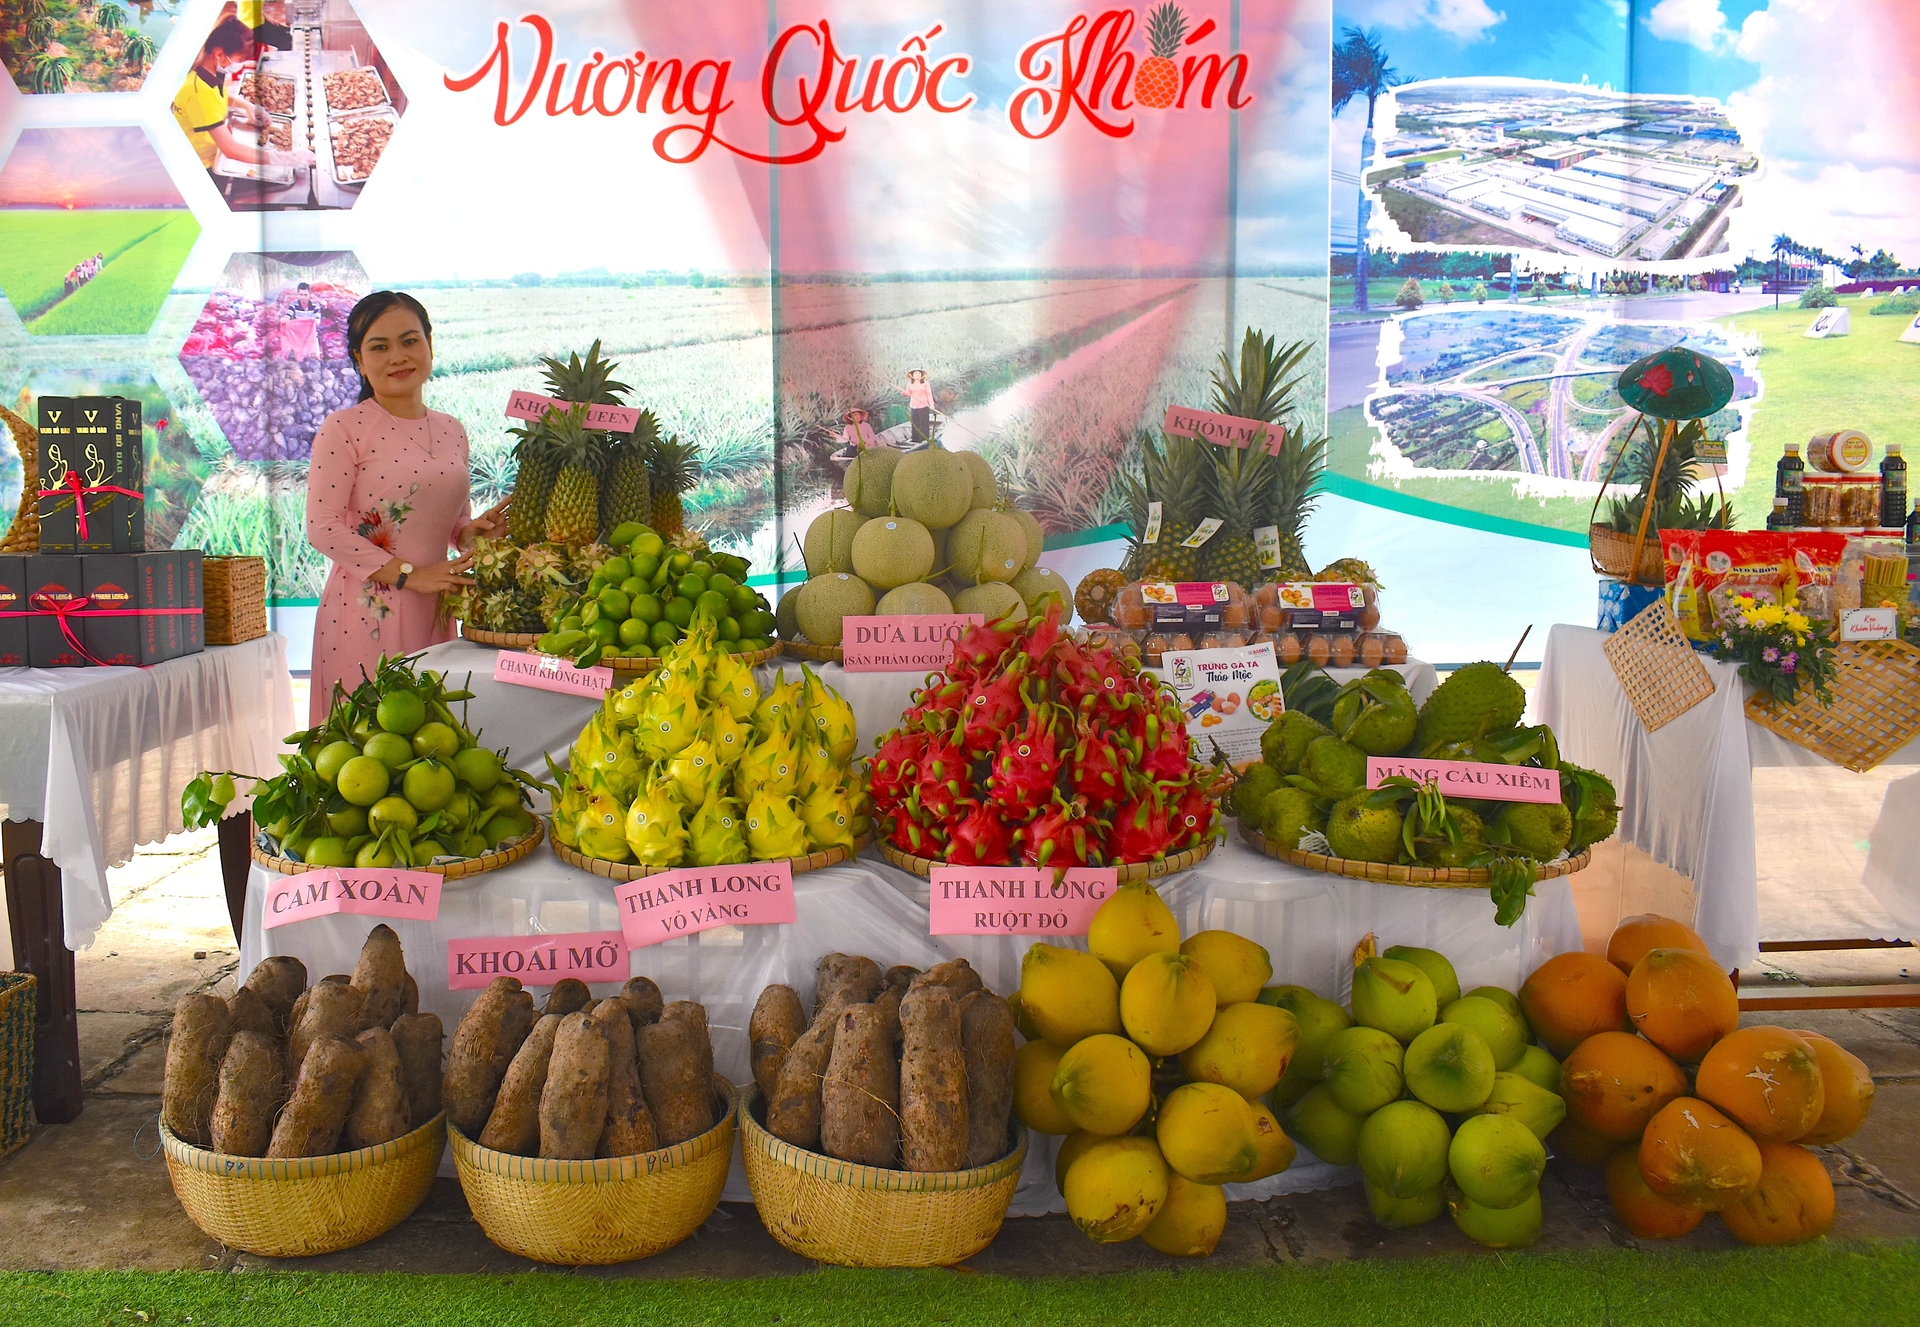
{"type": "Point", "coordinates": [380, 488]}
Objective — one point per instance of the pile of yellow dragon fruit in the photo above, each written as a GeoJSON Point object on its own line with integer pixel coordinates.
{"type": "Point", "coordinates": [696, 764]}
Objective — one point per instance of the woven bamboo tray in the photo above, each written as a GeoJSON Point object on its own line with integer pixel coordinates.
{"type": "Point", "coordinates": [235, 599]}
{"type": "Point", "coordinates": [834, 1211]}
{"type": "Point", "coordinates": [1612, 553]}
{"type": "Point", "coordinates": [1128, 874]}
{"type": "Point", "coordinates": [641, 667]}
{"type": "Point", "coordinates": [1875, 710]}
{"type": "Point", "coordinates": [302, 1206]}
{"type": "Point", "coordinates": [806, 649]}
{"type": "Point", "coordinates": [624, 871]}
{"type": "Point", "coordinates": [1657, 667]}
{"type": "Point", "coordinates": [19, 1009]}
{"type": "Point", "coordinates": [590, 1213]}
{"type": "Point", "coordinates": [452, 871]}
{"type": "Point", "coordinates": [505, 640]}
{"type": "Point", "coordinates": [1393, 873]}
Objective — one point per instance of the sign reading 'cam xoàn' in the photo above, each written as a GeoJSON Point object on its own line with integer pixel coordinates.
{"type": "Point", "coordinates": [537, 960]}
{"type": "Point", "coordinates": [1016, 900]}
{"type": "Point", "coordinates": [381, 892]}
{"type": "Point", "coordinates": [671, 904]}
{"type": "Point", "coordinates": [903, 643]}
{"type": "Point", "coordinates": [1469, 778]}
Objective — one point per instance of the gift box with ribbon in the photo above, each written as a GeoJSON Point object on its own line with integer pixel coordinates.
{"type": "Point", "coordinates": [13, 598]}
{"type": "Point", "coordinates": [92, 475]}
{"type": "Point", "coordinates": [107, 609]}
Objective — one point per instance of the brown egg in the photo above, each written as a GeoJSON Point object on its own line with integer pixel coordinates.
{"type": "Point", "coordinates": [1268, 595]}
{"type": "Point", "coordinates": [1342, 651]}
{"type": "Point", "coordinates": [1396, 649]}
{"type": "Point", "coordinates": [1236, 613]}
{"type": "Point", "coordinates": [1272, 618]}
{"type": "Point", "coordinates": [1318, 650]}
{"type": "Point", "coordinates": [1290, 649]}
{"type": "Point", "coordinates": [1181, 642]}
{"type": "Point", "coordinates": [1369, 617]}
{"type": "Point", "coordinates": [1372, 651]}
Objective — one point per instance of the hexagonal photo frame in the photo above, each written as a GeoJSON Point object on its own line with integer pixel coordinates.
{"type": "Point", "coordinates": [92, 231]}
{"type": "Point", "coordinates": [291, 113]}
{"type": "Point", "coordinates": [55, 46]}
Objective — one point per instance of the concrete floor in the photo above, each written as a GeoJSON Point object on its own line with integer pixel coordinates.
{"type": "Point", "coordinates": [95, 1194]}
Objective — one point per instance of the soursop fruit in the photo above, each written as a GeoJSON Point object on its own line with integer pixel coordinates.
{"type": "Point", "coordinates": [1589, 796]}
{"type": "Point", "coordinates": [1364, 833]}
{"type": "Point", "coordinates": [1335, 768]}
{"type": "Point", "coordinates": [1251, 789]}
{"type": "Point", "coordinates": [1541, 830]}
{"type": "Point", "coordinates": [1473, 839]}
{"type": "Point", "coordinates": [1376, 714]}
{"type": "Point", "coordinates": [1286, 814]}
{"type": "Point", "coordinates": [1479, 699]}
{"type": "Point", "coordinates": [1287, 737]}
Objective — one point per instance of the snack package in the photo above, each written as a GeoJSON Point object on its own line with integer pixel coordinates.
{"type": "Point", "coordinates": [1814, 572]}
{"type": "Point", "coordinates": [1707, 569]}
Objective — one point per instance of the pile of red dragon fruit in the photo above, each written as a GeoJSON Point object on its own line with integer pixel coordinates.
{"type": "Point", "coordinates": [268, 402]}
{"type": "Point", "coordinates": [1037, 749]}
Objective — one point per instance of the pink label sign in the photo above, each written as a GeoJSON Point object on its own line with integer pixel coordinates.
{"type": "Point", "coordinates": [532, 405]}
{"type": "Point", "coordinates": [1326, 596]}
{"type": "Point", "coordinates": [698, 898]}
{"type": "Point", "coordinates": [1186, 593]}
{"type": "Point", "coordinates": [537, 960]}
{"type": "Point", "coordinates": [903, 643]}
{"type": "Point", "coordinates": [1468, 778]}
{"type": "Point", "coordinates": [1016, 900]}
{"type": "Point", "coordinates": [377, 892]}
{"type": "Point", "coordinates": [550, 673]}
{"type": "Point", "coordinates": [1221, 430]}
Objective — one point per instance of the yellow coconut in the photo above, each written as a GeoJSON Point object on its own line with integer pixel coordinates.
{"type": "Point", "coordinates": [1116, 1188]}
{"type": "Point", "coordinates": [1130, 925]}
{"type": "Point", "coordinates": [1238, 966]}
{"type": "Point", "coordinates": [1207, 1133]}
{"type": "Point", "coordinates": [1247, 1048]}
{"type": "Point", "coordinates": [1167, 1003]}
{"type": "Point", "coordinates": [1190, 1222]}
{"type": "Point", "coordinates": [1068, 994]}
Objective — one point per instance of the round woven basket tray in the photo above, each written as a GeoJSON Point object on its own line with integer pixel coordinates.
{"type": "Point", "coordinates": [590, 1213]}
{"type": "Point", "coordinates": [1612, 552]}
{"type": "Point", "coordinates": [806, 649]}
{"type": "Point", "coordinates": [632, 871]}
{"type": "Point", "coordinates": [640, 667]}
{"type": "Point", "coordinates": [505, 640]}
{"type": "Point", "coordinates": [1392, 873]}
{"type": "Point", "coordinates": [834, 1211]}
{"type": "Point", "coordinates": [1131, 872]}
{"type": "Point", "coordinates": [451, 871]}
{"type": "Point", "coordinates": [302, 1206]}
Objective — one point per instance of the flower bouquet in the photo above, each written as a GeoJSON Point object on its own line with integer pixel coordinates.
{"type": "Point", "coordinates": [1779, 650]}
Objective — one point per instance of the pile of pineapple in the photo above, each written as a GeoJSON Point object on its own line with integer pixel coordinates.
{"type": "Point", "coordinates": [699, 765]}
{"type": "Point", "coordinates": [1245, 489]}
{"type": "Point", "coordinates": [574, 487]}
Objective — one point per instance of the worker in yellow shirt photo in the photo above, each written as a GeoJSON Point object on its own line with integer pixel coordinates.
{"type": "Point", "coordinates": [203, 107]}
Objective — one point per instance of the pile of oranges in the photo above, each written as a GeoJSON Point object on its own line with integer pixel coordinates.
{"type": "Point", "coordinates": [1688, 1112]}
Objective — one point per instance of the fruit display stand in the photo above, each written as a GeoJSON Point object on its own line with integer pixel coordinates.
{"type": "Point", "coordinates": [92, 763]}
{"type": "Point", "coordinates": [1687, 794]}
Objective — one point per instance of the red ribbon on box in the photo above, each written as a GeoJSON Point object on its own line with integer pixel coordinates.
{"type": "Point", "coordinates": [80, 493]}
{"type": "Point", "coordinates": [62, 609]}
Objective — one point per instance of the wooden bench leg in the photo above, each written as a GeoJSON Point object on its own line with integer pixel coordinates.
{"type": "Point", "coordinates": [236, 860]}
{"type": "Point", "coordinates": [37, 920]}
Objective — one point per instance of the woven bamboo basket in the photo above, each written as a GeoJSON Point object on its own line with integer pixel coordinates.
{"type": "Point", "coordinates": [504, 640]}
{"type": "Point", "coordinates": [19, 1010]}
{"type": "Point", "coordinates": [834, 1211]}
{"type": "Point", "coordinates": [631, 668]}
{"type": "Point", "coordinates": [451, 871]}
{"type": "Point", "coordinates": [1393, 873]}
{"type": "Point", "coordinates": [302, 1206]}
{"type": "Point", "coordinates": [1612, 552]}
{"type": "Point", "coordinates": [235, 599]}
{"type": "Point", "coordinates": [1875, 710]}
{"type": "Point", "coordinates": [806, 649]}
{"type": "Point", "coordinates": [1128, 874]}
{"type": "Point", "coordinates": [624, 871]}
{"type": "Point", "coordinates": [590, 1213]}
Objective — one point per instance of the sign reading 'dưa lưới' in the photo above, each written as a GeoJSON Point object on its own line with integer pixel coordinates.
{"type": "Point", "coordinates": [904, 642]}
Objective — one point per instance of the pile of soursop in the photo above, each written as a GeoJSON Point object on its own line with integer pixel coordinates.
{"type": "Point", "coordinates": [1309, 789]}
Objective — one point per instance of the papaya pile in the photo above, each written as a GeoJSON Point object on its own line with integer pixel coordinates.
{"type": "Point", "coordinates": [1687, 1112]}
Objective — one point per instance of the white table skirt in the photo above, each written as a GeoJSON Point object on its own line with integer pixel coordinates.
{"type": "Point", "coordinates": [100, 755]}
{"type": "Point", "coordinates": [1308, 921]}
{"type": "Point", "coordinates": [1686, 791]}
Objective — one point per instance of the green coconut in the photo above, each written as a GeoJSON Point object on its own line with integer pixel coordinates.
{"type": "Point", "coordinates": [1362, 1068]}
{"type": "Point", "coordinates": [1404, 1213]}
{"type": "Point", "coordinates": [869, 480]}
{"type": "Point", "coordinates": [1524, 1100]}
{"type": "Point", "coordinates": [1505, 1035]}
{"type": "Point", "coordinates": [1318, 1019]}
{"type": "Point", "coordinates": [1439, 970]}
{"type": "Point", "coordinates": [1450, 1068]}
{"type": "Point", "coordinates": [1330, 1133]}
{"type": "Point", "coordinates": [891, 550]}
{"type": "Point", "coordinates": [1496, 1160]}
{"type": "Point", "coordinates": [829, 542]}
{"type": "Point", "coordinates": [825, 600]}
{"type": "Point", "coordinates": [1402, 1148]}
{"type": "Point", "coordinates": [1394, 996]}
{"type": "Point", "coordinates": [933, 487]}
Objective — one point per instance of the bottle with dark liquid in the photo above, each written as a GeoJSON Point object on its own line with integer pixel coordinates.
{"type": "Point", "coordinates": [1778, 520]}
{"type": "Point", "coordinates": [1787, 483]}
{"type": "Point", "coordinates": [1893, 488]}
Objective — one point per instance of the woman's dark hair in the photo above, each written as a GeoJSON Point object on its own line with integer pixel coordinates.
{"type": "Point", "coordinates": [366, 312]}
{"type": "Point", "coordinates": [231, 36]}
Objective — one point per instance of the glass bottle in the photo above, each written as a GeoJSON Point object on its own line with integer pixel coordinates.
{"type": "Point", "coordinates": [1893, 488]}
{"type": "Point", "coordinates": [1787, 483]}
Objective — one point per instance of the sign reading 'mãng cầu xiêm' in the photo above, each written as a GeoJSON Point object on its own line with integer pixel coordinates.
{"type": "Point", "coordinates": [1469, 778]}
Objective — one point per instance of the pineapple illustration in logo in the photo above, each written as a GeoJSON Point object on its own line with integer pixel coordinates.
{"type": "Point", "coordinates": [1158, 80]}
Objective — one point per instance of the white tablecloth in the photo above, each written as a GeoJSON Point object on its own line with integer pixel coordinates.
{"type": "Point", "coordinates": [1308, 921]}
{"type": "Point", "coordinates": [1686, 791]}
{"type": "Point", "coordinates": [99, 755]}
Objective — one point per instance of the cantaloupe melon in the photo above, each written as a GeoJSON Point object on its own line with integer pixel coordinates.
{"type": "Point", "coordinates": [890, 551]}
{"type": "Point", "coordinates": [825, 600]}
{"type": "Point", "coordinates": [933, 487]}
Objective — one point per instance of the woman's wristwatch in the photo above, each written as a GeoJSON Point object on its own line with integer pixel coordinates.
{"type": "Point", "coordinates": [406, 570]}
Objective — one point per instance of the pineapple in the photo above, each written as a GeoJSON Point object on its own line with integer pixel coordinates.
{"type": "Point", "coordinates": [1259, 388]}
{"type": "Point", "coordinates": [540, 566]}
{"type": "Point", "coordinates": [1179, 479]}
{"type": "Point", "coordinates": [673, 465]}
{"type": "Point", "coordinates": [587, 381]}
{"type": "Point", "coordinates": [627, 495]}
{"type": "Point", "coordinates": [1242, 481]}
{"type": "Point", "coordinates": [524, 615]}
{"type": "Point", "coordinates": [497, 611]}
{"type": "Point", "coordinates": [494, 563]}
{"type": "Point", "coordinates": [573, 513]}
{"type": "Point", "coordinates": [533, 485]}
{"type": "Point", "coordinates": [1158, 80]}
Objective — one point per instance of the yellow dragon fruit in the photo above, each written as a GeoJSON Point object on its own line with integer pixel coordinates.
{"type": "Point", "coordinates": [693, 769]}
{"type": "Point", "coordinates": [612, 759]}
{"type": "Point", "coordinates": [777, 708]}
{"type": "Point", "coordinates": [699, 650]}
{"type": "Point", "coordinates": [817, 767]}
{"type": "Point", "coordinates": [670, 720]}
{"type": "Point", "coordinates": [770, 763]}
{"type": "Point", "coordinates": [732, 684]}
{"type": "Point", "coordinates": [628, 702]}
{"type": "Point", "coordinates": [566, 811]}
{"type": "Point", "coordinates": [718, 831]}
{"type": "Point", "coordinates": [599, 830]}
{"type": "Point", "coordinates": [830, 715]}
{"type": "Point", "coordinates": [653, 827]}
{"type": "Point", "coordinates": [729, 737]}
{"type": "Point", "coordinates": [774, 827]}
{"type": "Point", "coordinates": [828, 818]}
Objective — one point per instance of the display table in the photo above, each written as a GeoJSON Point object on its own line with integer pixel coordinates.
{"type": "Point", "coordinates": [1686, 791]}
{"type": "Point", "coordinates": [1309, 922]}
{"type": "Point", "coordinates": [92, 764]}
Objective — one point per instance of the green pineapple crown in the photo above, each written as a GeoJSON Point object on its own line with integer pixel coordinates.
{"type": "Point", "coordinates": [673, 464]}
{"type": "Point", "coordinates": [1258, 387]}
{"type": "Point", "coordinates": [1166, 29]}
{"type": "Point", "coordinates": [589, 381]}
{"type": "Point", "coordinates": [573, 442]}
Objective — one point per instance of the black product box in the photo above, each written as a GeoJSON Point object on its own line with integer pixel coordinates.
{"type": "Point", "coordinates": [129, 582]}
{"type": "Point", "coordinates": [1189, 607]}
{"type": "Point", "coordinates": [130, 472]}
{"type": "Point", "coordinates": [193, 626]}
{"type": "Point", "coordinates": [13, 599]}
{"type": "Point", "coordinates": [57, 577]}
{"type": "Point", "coordinates": [77, 436]}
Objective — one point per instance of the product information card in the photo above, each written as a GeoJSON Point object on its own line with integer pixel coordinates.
{"type": "Point", "coordinates": [903, 642]}
{"type": "Point", "coordinates": [376, 892]}
{"type": "Point", "coordinates": [671, 904]}
{"type": "Point", "coordinates": [1230, 696]}
{"type": "Point", "coordinates": [1016, 900]}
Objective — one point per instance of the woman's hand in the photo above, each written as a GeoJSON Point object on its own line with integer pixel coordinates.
{"type": "Point", "coordinates": [435, 578]}
{"type": "Point", "coordinates": [490, 521]}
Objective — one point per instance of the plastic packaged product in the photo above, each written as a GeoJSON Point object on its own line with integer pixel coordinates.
{"type": "Point", "coordinates": [1223, 640]}
{"type": "Point", "coordinates": [1396, 647]}
{"type": "Point", "coordinates": [1843, 453]}
{"type": "Point", "coordinates": [1290, 648]}
{"type": "Point", "coordinates": [1319, 650]}
{"type": "Point", "coordinates": [1841, 502]}
{"type": "Point", "coordinates": [1373, 651]}
{"type": "Point", "coordinates": [1370, 616]}
{"type": "Point", "coordinates": [1130, 609]}
{"type": "Point", "coordinates": [1342, 649]}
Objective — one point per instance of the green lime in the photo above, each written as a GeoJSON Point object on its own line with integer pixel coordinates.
{"type": "Point", "coordinates": [614, 604]}
{"type": "Point", "coordinates": [332, 756]}
{"type": "Point", "coordinates": [690, 586]}
{"type": "Point", "coordinates": [390, 749]}
{"type": "Point", "coordinates": [647, 544]}
{"type": "Point", "coordinates": [460, 809]}
{"type": "Point", "coordinates": [503, 796]}
{"type": "Point", "coordinates": [662, 634]}
{"type": "Point", "coordinates": [644, 565]}
{"type": "Point", "coordinates": [596, 583]}
{"type": "Point", "coordinates": [679, 612]}
{"type": "Point", "coordinates": [625, 533]}
{"type": "Point", "coordinates": [616, 569]}
{"type": "Point", "coordinates": [679, 562]}
{"type": "Point", "coordinates": [329, 850]}
{"type": "Point", "coordinates": [435, 739]}
{"type": "Point", "coordinates": [571, 622]}
{"type": "Point", "coordinates": [392, 811]}
{"type": "Point", "coordinates": [744, 599]}
{"type": "Point", "coordinates": [711, 603]}
{"type": "Point", "coordinates": [401, 712]}
{"type": "Point", "coordinates": [729, 628]}
{"type": "Point", "coordinates": [633, 631]}
{"type": "Point", "coordinates": [605, 630]}
{"type": "Point", "coordinates": [373, 854]}
{"type": "Point", "coordinates": [758, 622]}
{"type": "Point", "coordinates": [429, 786]}
{"type": "Point", "coordinates": [348, 821]}
{"type": "Point", "coordinates": [632, 587]}
{"type": "Point", "coordinates": [722, 582]}
{"type": "Point", "coordinates": [646, 607]}
{"type": "Point", "coordinates": [589, 613]}
{"type": "Point", "coordinates": [701, 568]}
{"type": "Point", "coordinates": [478, 768]}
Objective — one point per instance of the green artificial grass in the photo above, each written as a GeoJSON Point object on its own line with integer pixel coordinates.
{"type": "Point", "coordinates": [1857, 1284]}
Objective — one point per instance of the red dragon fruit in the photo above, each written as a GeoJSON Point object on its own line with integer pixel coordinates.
{"type": "Point", "coordinates": [894, 767]}
{"type": "Point", "coordinates": [936, 709]}
{"type": "Point", "coordinates": [1163, 757]}
{"type": "Point", "coordinates": [981, 839]}
{"type": "Point", "coordinates": [1099, 768]}
{"type": "Point", "coordinates": [916, 832]}
{"type": "Point", "coordinates": [1191, 818]}
{"type": "Point", "coordinates": [1043, 636]}
{"type": "Point", "coordinates": [993, 708]}
{"type": "Point", "coordinates": [1025, 769]}
{"type": "Point", "coordinates": [944, 781]}
{"type": "Point", "coordinates": [1141, 832]}
{"type": "Point", "coordinates": [978, 649]}
{"type": "Point", "coordinates": [1065, 834]}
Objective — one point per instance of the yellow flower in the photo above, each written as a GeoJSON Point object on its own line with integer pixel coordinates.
{"type": "Point", "coordinates": [1797, 623]}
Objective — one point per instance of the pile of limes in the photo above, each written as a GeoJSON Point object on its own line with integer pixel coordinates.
{"type": "Point", "coordinates": [641, 601]}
